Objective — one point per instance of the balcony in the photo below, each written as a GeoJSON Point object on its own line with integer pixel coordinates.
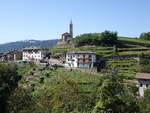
{"type": "Point", "coordinates": [86, 62]}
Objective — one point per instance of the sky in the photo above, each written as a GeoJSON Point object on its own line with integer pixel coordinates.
{"type": "Point", "coordinates": [48, 19]}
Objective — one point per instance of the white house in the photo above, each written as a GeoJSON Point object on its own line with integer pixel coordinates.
{"type": "Point", "coordinates": [80, 59]}
{"type": "Point", "coordinates": [34, 53]}
{"type": "Point", "coordinates": [144, 82]}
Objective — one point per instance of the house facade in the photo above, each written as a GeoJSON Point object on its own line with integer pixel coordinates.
{"type": "Point", "coordinates": [143, 82]}
{"type": "Point", "coordinates": [82, 59]}
{"type": "Point", "coordinates": [11, 56]}
{"type": "Point", "coordinates": [34, 53]}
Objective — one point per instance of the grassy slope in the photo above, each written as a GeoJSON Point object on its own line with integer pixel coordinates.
{"type": "Point", "coordinates": [88, 82]}
{"type": "Point", "coordinates": [134, 40]}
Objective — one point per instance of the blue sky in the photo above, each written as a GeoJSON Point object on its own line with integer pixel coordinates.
{"type": "Point", "coordinates": [48, 19]}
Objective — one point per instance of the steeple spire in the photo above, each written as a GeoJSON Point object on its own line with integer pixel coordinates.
{"type": "Point", "coordinates": [71, 28]}
{"type": "Point", "coordinates": [71, 21]}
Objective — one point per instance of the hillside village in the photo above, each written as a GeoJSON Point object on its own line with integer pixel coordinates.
{"type": "Point", "coordinates": [86, 58]}
{"type": "Point", "coordinates": [86, 61]}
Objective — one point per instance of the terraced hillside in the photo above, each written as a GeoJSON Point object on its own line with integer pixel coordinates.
{"type": "Point", "coordinates": [125, 62]}
{"type": "Point", "coordinates": [133, 46]}
{"type": "Point", "coordinates": [126, 47]}
{"type": "Point", "coordinates": [126, 68]}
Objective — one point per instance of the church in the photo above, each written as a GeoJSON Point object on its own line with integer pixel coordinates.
{"type": "Point", "coordinates": [67, 37]}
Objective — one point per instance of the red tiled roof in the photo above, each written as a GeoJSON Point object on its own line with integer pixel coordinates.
{"type": "Point", "coordinates": [143, 76]}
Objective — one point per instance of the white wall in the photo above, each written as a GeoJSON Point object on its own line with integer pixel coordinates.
{"type": "Point", "coordinates": [73, 60]}
{"type": "Point", "coordinates": [145, 85]}
{"type": "Point", "coordinates": [36, 55]}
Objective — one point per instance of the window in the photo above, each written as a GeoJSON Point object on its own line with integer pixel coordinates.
{"type": "Point", "coordinates": [83, 60]}
{"type": "Point", "coordinates": [147, 85]}
{"type": "Point", "coordinates": [89, 65]}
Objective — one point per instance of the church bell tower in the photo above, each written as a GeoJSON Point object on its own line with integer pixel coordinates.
{"type": "Point", "coordinates": [71, 29]}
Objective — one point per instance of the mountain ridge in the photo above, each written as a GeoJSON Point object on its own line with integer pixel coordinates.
{"type": "Point", "coordinates": [18, 45]}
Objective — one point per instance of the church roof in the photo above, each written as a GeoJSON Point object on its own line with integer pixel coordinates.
{"type": "Point", "coordinates": [66, 33]}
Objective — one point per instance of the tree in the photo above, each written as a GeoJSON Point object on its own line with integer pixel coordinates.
{"type": "Point", "coordinates": [20, 101]}
{"type": "Point", "coordinates": [113, 97]}
{"type": "Point", "coordinates": [9, 78]}
{"type": "Point", "coordinates": [145, 36]}
{"type": "Point", "coordinates": [108, 93]}
{"type": "Point", "coordinates": [106, 38]}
